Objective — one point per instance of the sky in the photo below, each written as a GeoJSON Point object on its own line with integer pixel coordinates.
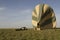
{"type": "Point", "coordinates": [18, 13]}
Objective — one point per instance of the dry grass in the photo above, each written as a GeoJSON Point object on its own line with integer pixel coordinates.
{"type": "Point", "coordinates": [12, 34]}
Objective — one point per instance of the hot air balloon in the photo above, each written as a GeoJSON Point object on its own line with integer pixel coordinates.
{"type": "Point", "coordinates": [43, 17]}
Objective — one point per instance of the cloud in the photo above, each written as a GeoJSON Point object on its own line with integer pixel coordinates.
{"type": "Point", "coordinates": [15, 18]}
{"type": "Point", "coordinates": [25, 14]}
{"type": "Point", "coordinates": [58, 19]}
{"type": "Point", "coordinates": [25, 11]}
{"type": "Point", "coordinates": [26, 17]}
{"type": "Point", "coordinates": [2, 8]}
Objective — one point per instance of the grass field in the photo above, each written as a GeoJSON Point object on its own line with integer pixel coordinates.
{"type": "Point", "coordinates": [12, 34]}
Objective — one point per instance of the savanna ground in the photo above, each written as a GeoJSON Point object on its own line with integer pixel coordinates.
{"type": "Point", "coordinates": [47, 34]}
